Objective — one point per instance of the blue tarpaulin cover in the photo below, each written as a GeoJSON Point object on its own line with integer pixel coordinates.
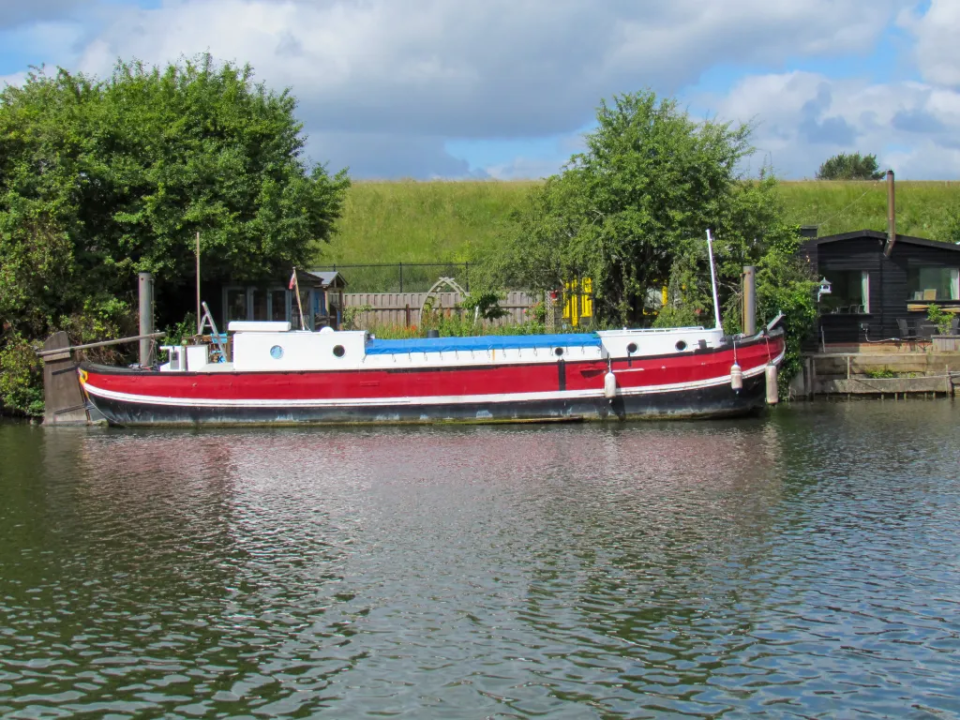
{"type": "Point", "coordinates": [486, 342]}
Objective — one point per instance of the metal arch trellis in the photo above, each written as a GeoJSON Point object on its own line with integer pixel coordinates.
{"type": "Point", "coordinates": [434, 292]}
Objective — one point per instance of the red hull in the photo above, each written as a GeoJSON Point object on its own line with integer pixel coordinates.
{"type": "Point", "coordinates": [466, 381]}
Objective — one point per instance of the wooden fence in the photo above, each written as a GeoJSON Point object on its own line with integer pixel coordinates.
{"type": "Point", "coordinates": [404, 308]}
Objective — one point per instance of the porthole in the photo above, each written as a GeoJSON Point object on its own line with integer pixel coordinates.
{"type": "Point", "coordinates": [631, 348]}
{"type": "Point", "coordinates": [276, 352]}
{"type": "Point", "coordinates": [558, 352]}
{"type": "Point", "coordinates": [681, 345]}
{"type": "Point", "coordinates": [338, 350]}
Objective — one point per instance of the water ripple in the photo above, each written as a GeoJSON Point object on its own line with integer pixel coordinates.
{"type": "Point", "coordinates": [803, 565]}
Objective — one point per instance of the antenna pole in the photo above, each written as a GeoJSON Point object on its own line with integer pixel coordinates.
{"type": "Point", "coordinates": [713, 281]}
{"type": "Point", "coordinates": [199, 314]}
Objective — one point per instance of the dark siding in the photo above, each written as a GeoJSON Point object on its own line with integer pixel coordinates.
{"type": "Point", "coordinates": [858, 254]}
{"type": "Point", "coordinates": [903, 258]}
{"type": "Point", "coordinates": [888, 283]}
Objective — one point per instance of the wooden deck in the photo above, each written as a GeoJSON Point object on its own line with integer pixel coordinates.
{"type": "Point", "coordinates": [878, 372]}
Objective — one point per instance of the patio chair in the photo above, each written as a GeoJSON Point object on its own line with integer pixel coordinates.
{"type": "Point", "coordinates": [926, 331]}
{"type": "Point", "coordinates": [905, 331]}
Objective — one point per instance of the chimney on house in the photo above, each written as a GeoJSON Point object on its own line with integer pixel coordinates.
{"type": "Point", "coordinates": [891, 215]}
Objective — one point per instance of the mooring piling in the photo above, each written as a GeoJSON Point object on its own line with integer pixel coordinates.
{"type": "Point", "coordinates": [749, 300]}
{"type": "Point", "coordinates": [145, 285]}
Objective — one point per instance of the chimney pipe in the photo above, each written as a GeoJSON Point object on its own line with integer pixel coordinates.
{"type": "Point", "coordinates": [891, 215]}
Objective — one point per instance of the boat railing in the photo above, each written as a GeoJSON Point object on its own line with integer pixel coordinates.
{"type": "Point", "coordinates": [652, 331]}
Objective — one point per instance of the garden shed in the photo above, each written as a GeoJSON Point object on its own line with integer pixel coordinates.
{"type": "Point", "coordinates": [879, 285]}
{"type": "Point", "coordinates": [321, 297]}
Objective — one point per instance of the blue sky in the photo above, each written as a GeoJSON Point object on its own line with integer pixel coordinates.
{"type": "Point", "coordinates": [506, 88]}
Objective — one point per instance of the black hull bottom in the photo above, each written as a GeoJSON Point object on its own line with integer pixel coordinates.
{"type": "Point", "coordinates": [711, 402]}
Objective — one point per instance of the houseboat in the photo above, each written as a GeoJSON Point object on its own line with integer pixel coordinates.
{"type": "Point", "coordinates": [275, 374]}
{"type": "Point", "coordinates": [279, 375]}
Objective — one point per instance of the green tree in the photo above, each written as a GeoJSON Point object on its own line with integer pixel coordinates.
{"type": "Point", "coordinates": [101, 179]}
{"type": "Point", "coordinates": [850, 167]}
{"type": "Point", "coordinates": [785, 283]}
{"type": "Point", "coordinates": [631, 213]}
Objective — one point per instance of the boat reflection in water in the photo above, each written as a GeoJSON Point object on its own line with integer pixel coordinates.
{"type": "Point", "coordinates": [803, 561]}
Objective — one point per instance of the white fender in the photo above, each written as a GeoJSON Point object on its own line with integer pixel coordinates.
{"type": "Point", "coordinates": [736, 377]}
{"type": "Point", "coordinates": [610, 386]}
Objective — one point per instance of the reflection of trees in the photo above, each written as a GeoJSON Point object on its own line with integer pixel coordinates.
{"type": "Point", "coordinates": [22, 513]}
{"type": "Point", "coordinates": [170, 555]}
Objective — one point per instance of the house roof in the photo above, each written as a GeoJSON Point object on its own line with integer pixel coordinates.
{"type": "Point", "coordinates": [882, 237]}
{"type": "Point", "coordinates": [320, 278]}
{"type": "Point", "coordinates": [330, 278]}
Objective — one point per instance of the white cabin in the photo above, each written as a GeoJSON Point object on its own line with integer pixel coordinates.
{"type": "Point", "coordinates": [274, 346]}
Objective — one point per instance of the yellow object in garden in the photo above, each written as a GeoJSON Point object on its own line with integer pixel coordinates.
{"type": "Point", "coordinates": [578, 301]}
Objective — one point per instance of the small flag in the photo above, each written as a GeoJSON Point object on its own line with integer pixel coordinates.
{"type": "Point", "coordinates": [293, 279]}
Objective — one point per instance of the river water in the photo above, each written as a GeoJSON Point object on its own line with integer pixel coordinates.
{"type": "Point", "coordinates": [805, 563]}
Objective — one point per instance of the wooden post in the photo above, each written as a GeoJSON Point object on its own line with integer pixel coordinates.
{"type": "Point", "coordinates": [296, 285]}
{"type": "Point", "coordinates": [145, 282]}
{"type": "Point", "coordinates": [64, 403]}
{"type": "Point", "coordinates": [749, 300]}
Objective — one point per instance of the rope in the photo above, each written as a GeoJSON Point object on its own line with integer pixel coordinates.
{"type": "Point", "coordinates": [841, 212]}
{"type": "Point", "coordinates": [950, 375]}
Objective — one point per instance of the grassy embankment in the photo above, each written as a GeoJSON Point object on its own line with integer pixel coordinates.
{"type": "Point", "coordinates": [411, 222]}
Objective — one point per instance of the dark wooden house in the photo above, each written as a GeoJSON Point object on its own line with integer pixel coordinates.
{"type": "Point", "coordinates": [875, 283]}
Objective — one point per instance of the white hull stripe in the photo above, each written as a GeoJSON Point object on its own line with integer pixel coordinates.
{"type": "Point", "coordinates": [420, 400]}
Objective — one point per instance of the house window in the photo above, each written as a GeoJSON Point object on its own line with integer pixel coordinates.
{"type": "Point", "coordinates": [259, 304]}
{"type": "Point", "coordinates": [849, 292]}
{"type": "Point", "coordinates": [278, 300]}
{"type": "Point", "coordinates": [251, 303]}
{"type": "Point", "coordinates": [926, 283]}
{"type": "Point", "coordinates": [236, 304]}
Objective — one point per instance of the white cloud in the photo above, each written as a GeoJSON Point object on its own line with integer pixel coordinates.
{"type": "Point", "coordinates": [13, 79]}
{"type": "Point", "coordinates": [484, 68]}
{"type": "Point", "coordinates": [383, 84]}
{"type": "Point", "coordinates": [936, 32]}
{"type": "Point", "coordinates": [379, 155]}
{"type": "Point", "coordinates": [804, 118]}
{"type": "Point", "coordinates": [928, 161]}
{"type": "Point", "coordinates": [523, 168]}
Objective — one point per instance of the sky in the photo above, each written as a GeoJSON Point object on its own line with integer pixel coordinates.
{"type": "Point", "coordinates": [506, 88]}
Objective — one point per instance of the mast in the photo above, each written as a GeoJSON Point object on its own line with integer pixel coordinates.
{"type": "Point", "coordinates": [713, 281]}
{"type": "Point", "coordinates": [199, 315]}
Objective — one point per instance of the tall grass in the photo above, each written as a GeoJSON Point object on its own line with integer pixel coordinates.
{"type": "Point", "coordinates": [462, 221]}
{"type": "Point", "coordinates": [924, 209]}
{"type": "Point", "coordinates": [423, 222]}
